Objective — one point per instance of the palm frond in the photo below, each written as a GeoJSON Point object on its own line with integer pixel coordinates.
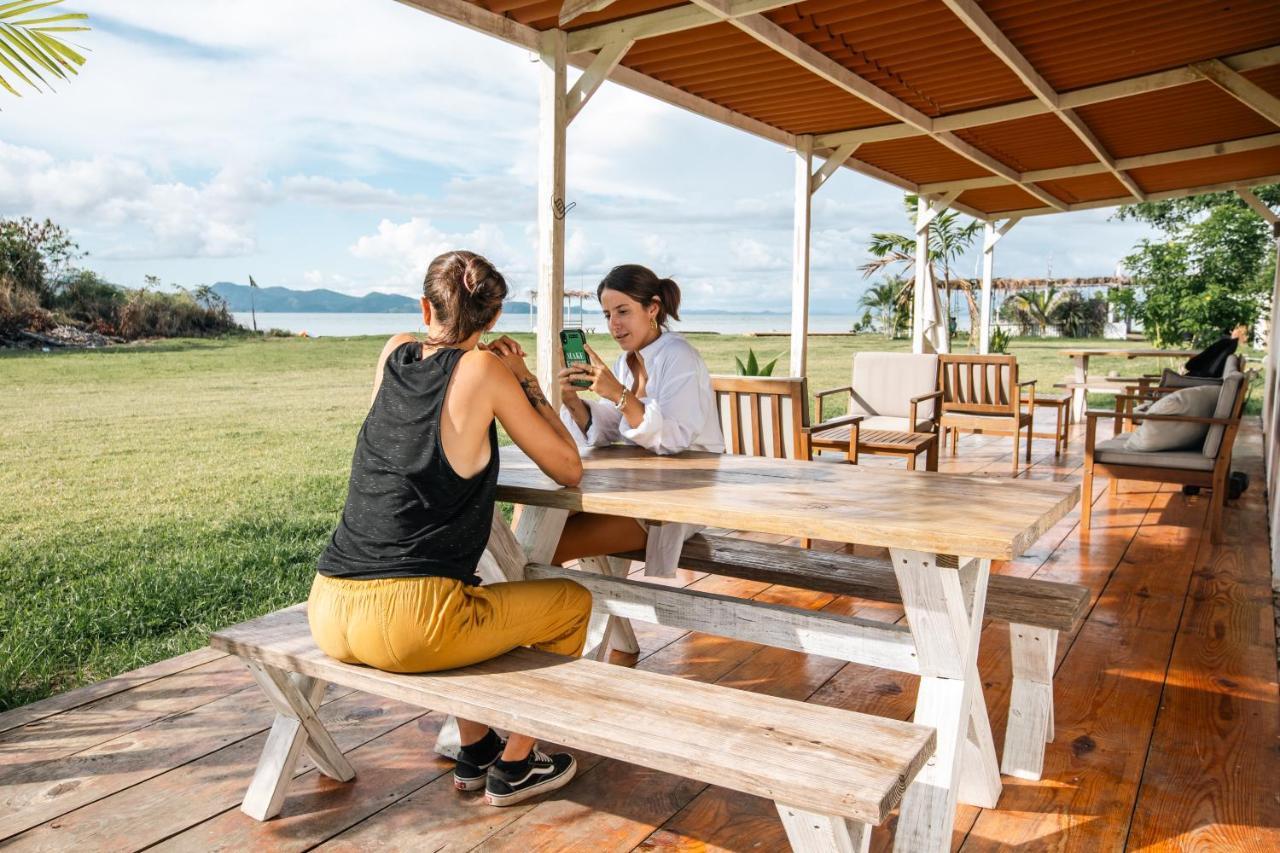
{"type": "Point", "coordinates": [30, 52]}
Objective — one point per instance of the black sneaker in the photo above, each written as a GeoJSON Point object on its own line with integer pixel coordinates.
{"type": "Point", "coordinates": [536, 775]}
{"type": "Point", "coordinates": [471, 770]}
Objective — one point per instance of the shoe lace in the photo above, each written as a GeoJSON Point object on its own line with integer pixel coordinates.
{"type": "Point", "coordinates": [539, 755]}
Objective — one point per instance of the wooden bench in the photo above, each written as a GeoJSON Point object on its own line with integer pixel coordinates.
{"type": "Point", "coordinates": [1036, 611]}
{"type": "Point", "coordinates": [832, 773]}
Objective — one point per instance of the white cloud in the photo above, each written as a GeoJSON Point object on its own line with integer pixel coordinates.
{"type": "Point", "coordinates": [405, 249]}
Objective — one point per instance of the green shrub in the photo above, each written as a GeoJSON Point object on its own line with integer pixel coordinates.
{"type": "Point", "coordinates": [999, 343]}
{"type": "Point", "coordinates": [152, 314]}
{"type": "Point", "coordinates": [86, 298]}
{"type": "Point", "coordinates": [20, 309]}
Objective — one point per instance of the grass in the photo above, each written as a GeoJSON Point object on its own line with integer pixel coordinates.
{"type": "Point", "coordinates": [151, 493]}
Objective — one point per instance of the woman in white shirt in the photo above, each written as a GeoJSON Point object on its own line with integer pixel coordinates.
{"type": "Point", "coordinates": [658, 396]}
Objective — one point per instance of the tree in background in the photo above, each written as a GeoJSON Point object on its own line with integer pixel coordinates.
{"type": "Point", "coordinates": [36, 256]}
{"type": "Point", "coordinates": [1212, 270]}
{"type": "Point", "coordinates": [884, 301]}
{"type": "Point", "coordinates": [949, 238]}
{"type": "Point", "coordinates": [31, 46]}
{"type": "Point", "coordinates": [1031, 309]}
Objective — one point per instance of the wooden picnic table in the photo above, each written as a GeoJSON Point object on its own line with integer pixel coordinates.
{"type": "Point", "coordinates": [941, 530]}
{"type": "Point", "coordinates": [1080, 359]}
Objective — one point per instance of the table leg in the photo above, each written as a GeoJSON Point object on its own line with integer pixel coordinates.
{"type": "Point", "coordinates": [606, 631]}
{"type": "Point", "coordinates": [944, 606]}
{"type": "Point", "coordinates": [1080, 394]}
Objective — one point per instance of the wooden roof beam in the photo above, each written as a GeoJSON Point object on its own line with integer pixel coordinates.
{"type": "Point", "coordinates": [1160, 158]}
{"type": "Point", "coordinates": [1225, 186]}
{"type": "Point", "coordinates": [778, 39]}
{"type": "Point", "coordinates": [663, 23]}
{"type": "Point", "coordinates": [1114, 90]}
{"type": "Point", "coordinates": [1241, 88]}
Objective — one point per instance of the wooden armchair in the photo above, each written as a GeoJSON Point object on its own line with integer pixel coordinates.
{"type": "Point", "coordinates": [769, 416]}
{"type": "Point", "coordinates": [982, 394]}
{"type": "Point", "coordinates": [1207, 466]}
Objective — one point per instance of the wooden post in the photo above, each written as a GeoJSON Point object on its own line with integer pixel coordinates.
{"type": "Point", "coordinates": [800, 256]}
{"type": "Point", "coordinates": [922, 275]}
{"type": "Point", "coordinates": [552, 124]}
{"type": "Point", "coordinates": [990, 236]}
{"type": "Point", "coordinates": [1271, 418]}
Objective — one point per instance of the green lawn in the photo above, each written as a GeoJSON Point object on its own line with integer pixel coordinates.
{"type": "Point", "coordinates": [151, 493]}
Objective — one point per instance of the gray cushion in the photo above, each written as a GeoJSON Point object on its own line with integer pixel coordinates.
{"type": "Point", "coordinates": [1173, 379]}
{"type": "Point", "coordinates": [1226, 400]}
{"type": "Point", "coordinates": [885, 382]}
{"type": "Point", "coordinates": [1115, 451]}
{"type": "Point", "coordinates": [1152, 436]}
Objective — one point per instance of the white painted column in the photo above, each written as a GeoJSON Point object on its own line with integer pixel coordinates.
{"type": "Point", "coordinates": [922, 277]}
{"type": "Point", "coordinates": [801, 227]}
{"type": "Point", "coordinates": [990, 236]}
{"type": "Point", "coordinates": [1271, 418]}
{"type": "Point", "coordinates": [988, 268]}
{"type": "Point", "coordinates": [552, 125]}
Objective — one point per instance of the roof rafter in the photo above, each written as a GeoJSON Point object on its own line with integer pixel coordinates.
{"type": "Point", "coordinates": [998, 43]}
{"type": "Point", "coordinates": [1112, 91]}
{"type": "Point", "coordinates": [778, 39]}
{"type": "Point", "coordinates": [1161, 158]}
{"type": "Point", "coordinates": [1225, 186]}
{"type": "Point", "coordinates": [1241, 88]}
{"type": "Point", "coordinates": [676, 20]}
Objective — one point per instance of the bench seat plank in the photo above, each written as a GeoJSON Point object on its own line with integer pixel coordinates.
{"type": "Point", "coordinates": [828, 760]}
{"type": "Point", "coordinates": [1022, 601]}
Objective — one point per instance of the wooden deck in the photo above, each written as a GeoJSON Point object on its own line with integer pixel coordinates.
{"type": "Point", "coordinates": [1167, 720]}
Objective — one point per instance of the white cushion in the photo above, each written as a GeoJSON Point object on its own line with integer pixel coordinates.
{"type": "Point", "coordinates": [1152, 436]}
{"type": "Point", "coordinates": [1226, 401]}
{"type": "Point", "coordinates": [894, 424]}
{"type": "Point", "coordinates": [1115, 451]}
{"type": "Point", "coordinates": [885, 382]}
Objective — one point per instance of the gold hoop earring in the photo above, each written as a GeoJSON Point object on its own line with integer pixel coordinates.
{"type": "Point", "coordinates": [654, 322]}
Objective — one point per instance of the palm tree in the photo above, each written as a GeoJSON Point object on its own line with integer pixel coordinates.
{"type": "Point", "coordinates": [949, 238]}
{"type": "Point", "coordinates": [1033, 307]}
{"type": "Point", "coordinates": [883, 301]}
{"type": "Point", "coordinates": [29, 46]}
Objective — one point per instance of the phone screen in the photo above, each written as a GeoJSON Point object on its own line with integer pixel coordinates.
{"type": "Point", "coordinates": [574, 344]}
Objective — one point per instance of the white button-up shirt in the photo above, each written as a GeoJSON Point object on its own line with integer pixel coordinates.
{"type": "Point", "coordinates": [679, 414]}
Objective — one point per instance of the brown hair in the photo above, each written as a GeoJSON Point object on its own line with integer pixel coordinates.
{"type": "Point", "coordinates": [644, 286]}
{"type": "Point", "coordinates": [465, 293]}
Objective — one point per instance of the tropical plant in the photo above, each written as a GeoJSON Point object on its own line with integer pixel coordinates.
{"type": "Point", "coordinates": [36, 255]}
{"type": "Point", "coordinates": [1212, 269]}
{"type": "Point", "coordinates": [752, 366]}
{"type": "Point", "coordinates": [1031, 309]}
{"type": "Point", "coordinates": [1079, 317]}
{"type": "Point", "coordinates": [31, 45]}
{"type": "Point", "coordinates": [884, 302]}
{"type": "Point", "coordinates": [999, 342]}
{"type": "Point", "coordinates": [949, 238]}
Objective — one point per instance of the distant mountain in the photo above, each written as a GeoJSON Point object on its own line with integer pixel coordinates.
{"type": "Point", "coordinates": [283, 300]}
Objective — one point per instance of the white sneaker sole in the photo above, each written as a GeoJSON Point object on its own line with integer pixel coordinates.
{"type": "Point", "coordinates": [469, 784]}
{"type": "Point", "coordinates": [532, 791]}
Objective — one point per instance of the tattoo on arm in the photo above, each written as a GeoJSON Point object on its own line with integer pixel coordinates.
{"type": "Point", "coordinates": [534, 393]}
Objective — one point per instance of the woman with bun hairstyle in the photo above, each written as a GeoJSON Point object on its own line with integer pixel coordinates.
{"type": "Point", "coordinates": [657, 396]}
{"type": "Point", "coordinates": [396, 588]}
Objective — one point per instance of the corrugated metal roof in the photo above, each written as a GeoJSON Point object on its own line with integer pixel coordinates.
{"type": "Point", "coordinates": [926, 57]}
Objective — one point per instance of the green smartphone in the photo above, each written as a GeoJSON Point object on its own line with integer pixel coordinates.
{"type": "Point", "coordinates": [574, 344]}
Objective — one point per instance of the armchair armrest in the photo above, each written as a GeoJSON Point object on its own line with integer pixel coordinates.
{"type": "Point", "coordinates": [936, 396]}
{"type": "Point", "coordinates": [845, 420]}
{"type": "Point", "coordinates": [1138, 416]}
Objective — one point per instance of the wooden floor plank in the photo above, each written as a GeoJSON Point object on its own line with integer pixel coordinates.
{"type": "Point", "coordinates": [168, 803]}
{"type": "Point", "coordinates": [27, 714]}
{"type": "Point", "coordinates": [1217, 735]}
{"type": "Point", "coordinates": [103, 720]}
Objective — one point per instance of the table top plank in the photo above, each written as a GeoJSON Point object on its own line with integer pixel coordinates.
{"type": "Point", "coordinates": [1129, 353]}
{"type": "Point", "coordinates": [917, 510]}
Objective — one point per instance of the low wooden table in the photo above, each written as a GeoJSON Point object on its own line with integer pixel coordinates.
{"type": "Point", "coordinates": [883, 442]}
{"type": "Point", "coordinates": [1080, 357]}
{"type": "Point", "coordinates": [1061, 404]}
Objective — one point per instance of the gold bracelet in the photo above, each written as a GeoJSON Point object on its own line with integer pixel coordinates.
{"type": "Point", "coordinates": [622, 400]}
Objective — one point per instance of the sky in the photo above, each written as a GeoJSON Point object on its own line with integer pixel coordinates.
{"type": "Point", "coordinates": [313, 143]}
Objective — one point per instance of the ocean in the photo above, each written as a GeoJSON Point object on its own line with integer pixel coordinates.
{"type": "Point", "coordinates": [330, 325]}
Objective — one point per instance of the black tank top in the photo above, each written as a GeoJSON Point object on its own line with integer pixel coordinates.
{"type": "Point", "coordinates": [408, 513]}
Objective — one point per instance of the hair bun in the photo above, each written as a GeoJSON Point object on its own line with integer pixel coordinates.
{"type": "Point", "coordinates": [476, 272]}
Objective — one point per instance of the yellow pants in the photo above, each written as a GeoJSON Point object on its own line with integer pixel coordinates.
{"type": "Point", "coordinates": [429, 624]}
